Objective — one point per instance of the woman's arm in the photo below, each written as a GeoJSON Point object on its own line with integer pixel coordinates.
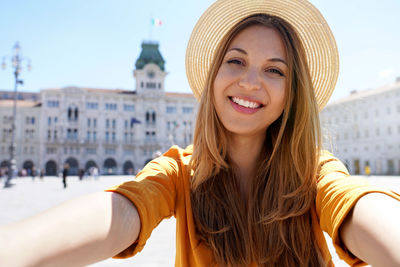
{"type": "Point", "coordinates": [371, 231]}
{"type": "Point", "coordinates": [79, 232]}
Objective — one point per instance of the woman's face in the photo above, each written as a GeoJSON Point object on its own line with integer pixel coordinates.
{"type": "Point", "coordinates": [249, 89]}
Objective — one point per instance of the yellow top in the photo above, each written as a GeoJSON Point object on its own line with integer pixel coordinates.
{"type": "Point", "coordinates": [162, 190]}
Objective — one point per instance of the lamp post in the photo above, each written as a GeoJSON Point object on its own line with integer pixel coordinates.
{"type": "Point", "coordinates": [16, 61]}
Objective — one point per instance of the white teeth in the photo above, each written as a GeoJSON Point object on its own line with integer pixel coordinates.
{"type": "Point", "coordinates": [245, 103]}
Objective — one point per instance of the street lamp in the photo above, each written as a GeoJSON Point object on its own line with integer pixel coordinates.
{"type": "Point", "coordinates": [16, 61]}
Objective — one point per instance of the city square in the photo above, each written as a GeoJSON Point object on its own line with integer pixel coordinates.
{"type": "Point", "coordinates": [92, 92]}
{"type": "Point", "coordinates": [28, 197]}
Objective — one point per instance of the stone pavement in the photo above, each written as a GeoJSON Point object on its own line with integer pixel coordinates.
{"type": "Point", "coordinates": [29, 197]}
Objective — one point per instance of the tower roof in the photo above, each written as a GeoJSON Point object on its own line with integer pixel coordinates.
{"type": "Point", "coordinates": [150, 54]}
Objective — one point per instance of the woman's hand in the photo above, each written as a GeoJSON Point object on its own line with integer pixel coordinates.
{"type": "Point", "coordinates": [79, 232]}
{"type": "Point", "coordinates": [371, 231]}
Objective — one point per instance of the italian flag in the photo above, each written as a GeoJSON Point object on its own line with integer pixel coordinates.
{"type": "Point", "coordinates": [156, 22]}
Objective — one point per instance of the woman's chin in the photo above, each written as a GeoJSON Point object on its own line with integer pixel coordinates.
{"type": "Point", "coordinates": [245, 131]}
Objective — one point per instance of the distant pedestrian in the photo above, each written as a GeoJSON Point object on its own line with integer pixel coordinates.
{"type": "Point", "coordinates": [65, 174]}
{"type": "Point", "coordinates": [41, 174]}
{"type": "Point", "coordinates": [95, 173]}
{"type": "Point", "coordinates": [81, 172]}
{"type": "Point", "coordinates": [33, 173]}
{"type": "Point", "coordinates": [367, 170]}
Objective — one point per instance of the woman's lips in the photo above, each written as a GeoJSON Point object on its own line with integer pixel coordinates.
{"type": "Point", "coordinates": [252, 108]}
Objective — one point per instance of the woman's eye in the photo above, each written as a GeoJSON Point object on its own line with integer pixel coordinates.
{"type": "Point", "coordinates": [275, 71]}
{"type": "Point", "coordinates": [235, 61]}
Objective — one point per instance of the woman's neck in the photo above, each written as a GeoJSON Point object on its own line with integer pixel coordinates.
{"type": "Point", "coordinates": [244, 152]}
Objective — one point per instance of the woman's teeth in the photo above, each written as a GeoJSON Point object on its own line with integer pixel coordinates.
{"type": "Point", "coordinates": [245, 103]}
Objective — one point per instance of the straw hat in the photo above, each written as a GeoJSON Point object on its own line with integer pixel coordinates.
{"type": "Point", "coordinates": [307, 21]}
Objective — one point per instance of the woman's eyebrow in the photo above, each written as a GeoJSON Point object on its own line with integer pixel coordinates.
{"type": "Point", "coordinates": [237, 49]}
{"type": "Point", "coordinates": [277, 59]}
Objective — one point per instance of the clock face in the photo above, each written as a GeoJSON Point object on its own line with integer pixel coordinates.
{"type": "Point", "coordinates": [150, 74]}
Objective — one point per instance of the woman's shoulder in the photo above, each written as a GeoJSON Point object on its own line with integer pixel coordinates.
{"type": "Point", "coordinates": [175, 161]}
{"type": "Point", "coordinates": [327, 156]}
{"type": "Point", "coordinates": [329, 163]}
{"type": "Point", "coordinates": [180, 155]}
{"type": "Point", "coordinates": [177, 152]}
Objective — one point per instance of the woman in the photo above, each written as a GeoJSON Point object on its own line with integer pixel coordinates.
{"type": "Point", "coordinates": [254, 189]}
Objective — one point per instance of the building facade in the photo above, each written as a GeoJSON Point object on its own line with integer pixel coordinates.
{"type": "Point", "coordinates": [363, 130]}
{"type": "Point", "coordinates": [27, 131]}
{"type": "Point", "coordinates": [118, 131]}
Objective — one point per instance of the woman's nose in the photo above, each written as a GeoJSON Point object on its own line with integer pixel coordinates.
{"type": "Point", "coordinates": [250, 79]}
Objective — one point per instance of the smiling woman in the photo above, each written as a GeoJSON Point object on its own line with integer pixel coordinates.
{"type": "Point", "coordinates": [257, 101]}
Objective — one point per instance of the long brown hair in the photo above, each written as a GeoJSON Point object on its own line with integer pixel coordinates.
{"type": "Point", "coordinates": [273, 226]}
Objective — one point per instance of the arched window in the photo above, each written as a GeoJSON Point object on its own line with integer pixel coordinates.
{"type": "Point", "coordinates": [51, 168]}
{"type": "Point", "coordinates": [90, 164]}
{"type": "Point", "coordinates": [73, 166]}
{"type": "Point", "coordinates": [147, 117]}
{"type": "Point", "coordinates": [73, 113]}
{"type": "Point", "coordinates": [150, 116]}
{"type": "Point", "coordinates": [69, 113]}
{"type": "Point", "coordinates": [128, 167]}
{"type": "Point", "coordinates": [110, 166]}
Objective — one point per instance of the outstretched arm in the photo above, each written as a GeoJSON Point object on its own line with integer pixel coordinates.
{"type": "Point", "coordinates": [79, 232]}
{"type": "Point", "coordinates": [371, 230]}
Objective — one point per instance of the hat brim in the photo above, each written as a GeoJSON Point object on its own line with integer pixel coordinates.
{"type": "Point", "coordinates": [312, 29]}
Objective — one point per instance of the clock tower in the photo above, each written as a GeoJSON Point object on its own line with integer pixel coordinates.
{"type": "Point", "coordinates": [149, 70]}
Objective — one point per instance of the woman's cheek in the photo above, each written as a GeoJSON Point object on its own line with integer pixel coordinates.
{"type": "Point", "coordinates": [277, 86]}
{"type": "Point", "coordinates": [222, 79]}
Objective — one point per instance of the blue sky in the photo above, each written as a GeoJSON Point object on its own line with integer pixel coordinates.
{"type": "Point", "coordinates": [95, 43]}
